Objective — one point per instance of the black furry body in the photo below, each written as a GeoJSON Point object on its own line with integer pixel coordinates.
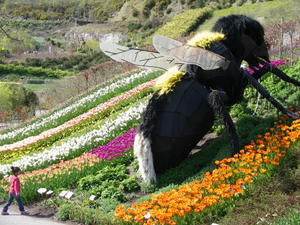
{"type": "Point", "coordinates": [174, 123]}
{"type": "Point", "coordinates": [177, 121]}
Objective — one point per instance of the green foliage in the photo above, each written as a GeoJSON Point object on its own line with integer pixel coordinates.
{"type": "Point", "coordinates": [184, 23]}
{"type": "Point", "coordinates": [32, 71]}
{"type": "Point", "coordinates": [30, 24]}
{"type": "Point", "coordinates": [14, 95]}
{"type": "Point", "coordinates": [20, 43]}
{"type": "Point", "coordinates": [74, 63]}
{"type": "Point", "coordinates": [16, 101]}
{"type": "Point", "coordinates": [293, 218]}
{"type": "Point", "coordinates": [130, 184]}
{"type": "Point", "coordinates": [90, 216]}
{"type": "Point", "coordinates": [148, 187]}
{"type": "Point", "coordinates": [63, 10]}
{"type": "Point", "coordinates": [109, 204]}
{"type": "Point", "coordinates": [135, 12]}
{"type": "Point", "coordinates": [110, 182]}
{"type": "Point", "coordinates": [134, 26]}
{"type": "Point", "coordinates": [63, 211]}
{"type": "Point", "coordinates": [287, 94]}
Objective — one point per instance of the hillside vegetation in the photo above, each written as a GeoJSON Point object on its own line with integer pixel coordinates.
{"type": "Point", "coordinates": [103, 10]}
{"type": "Point", "coordinates": [266, 12]}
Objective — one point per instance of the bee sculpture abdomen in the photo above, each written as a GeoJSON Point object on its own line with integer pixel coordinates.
{"type": "Point", "coordinates": [178, 122]}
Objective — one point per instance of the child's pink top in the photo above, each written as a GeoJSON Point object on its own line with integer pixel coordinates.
{"type": "Point", "coordinates": [15, 186]}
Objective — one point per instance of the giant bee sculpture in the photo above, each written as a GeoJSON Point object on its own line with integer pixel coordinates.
{"type": "Point", "coordinates": [204, 77]}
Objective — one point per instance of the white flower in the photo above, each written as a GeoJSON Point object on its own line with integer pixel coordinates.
{"type": "Point", "coordinates": [64, 148]}
{"type": "Point", "coordinates": [39, 123]}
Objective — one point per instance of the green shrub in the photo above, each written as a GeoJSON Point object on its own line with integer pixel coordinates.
{"type": "Point", "coordinates": [70, 63]}
{"type": "Point", "coordinates": [135, 12]}
{"type": "Point", "coordinates": [87, 182]}
{"type": "Point", "coordinates": [134, 26]}
{"type": "Point", "coordinates": [64, 211]}
{"type": "Point", "coordinates": [109, 204]}
{"type": "Point", "coordinates": [149, 4]}
{"type": "Point", "coordinates": [110, 182]}
{"type": "Point", "coordinates": [32, 71]}
{"type": "Point", "coordinates": [112, 173]}
{"type": "Point", "coordinates": [130, 184]}
{"type": "Point", "coordinates": [184, 23]}
{"type": "Point", "coordinates": [15, 95]}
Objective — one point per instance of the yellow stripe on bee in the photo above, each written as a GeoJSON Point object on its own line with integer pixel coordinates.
{"type": "Point", "coordinates": [167, 81]}
{"type": "Point", "coordinates": [204, 39]}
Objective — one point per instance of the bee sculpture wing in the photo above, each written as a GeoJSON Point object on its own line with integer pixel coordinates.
{"type": "Point", "coordinates": [139, 57]}
{"type": "Point", "coordinates": [207, 60]}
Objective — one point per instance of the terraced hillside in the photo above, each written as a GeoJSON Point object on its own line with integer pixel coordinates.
{"type": "Point", "coordinates": [85, 147]}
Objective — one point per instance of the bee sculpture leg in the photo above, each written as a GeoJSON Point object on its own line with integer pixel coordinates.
{"type": "Point", "coordinates": [267, 95]}
{"type": "Point", "coordinates": [216, 99]}
{"type": "Point", "coordinates": [273, 69]}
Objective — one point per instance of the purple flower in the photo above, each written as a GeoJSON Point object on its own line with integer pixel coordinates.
{"type": "Point", "coordinates": [273, 63]}
{"type": "Point", "coordinates": [116, 147]}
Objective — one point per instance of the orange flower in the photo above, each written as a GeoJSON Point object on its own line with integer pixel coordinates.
{"type": "Point", "coordinates": [223, 182]}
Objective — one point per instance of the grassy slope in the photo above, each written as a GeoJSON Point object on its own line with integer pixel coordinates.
{"type": "Point", "coordinates": [267, 12]}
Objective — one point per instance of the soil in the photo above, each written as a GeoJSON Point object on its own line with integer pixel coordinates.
{"type": "Point", "coordinates": [41, 211]}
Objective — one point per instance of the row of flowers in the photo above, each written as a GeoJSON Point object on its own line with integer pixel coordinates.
{"type": "Point", "coordinates": [92, 112]}
{"type": "Point", "coordinates": [45, 123]}
{"type": "Point", "coordinates": [86, 140]}
{"type": "Point", "coordinates": [91, 99]}
{"type": "Point", "coordinates": [57, 175]}
{"type": "Point", "coordinates": [226, 181]}
{"type": "Point", "coordinates": [109, 151]}
{"type": "Point", "coordinates": [83, 117]}
{"type": "Point", "coordinates": [8, 157]}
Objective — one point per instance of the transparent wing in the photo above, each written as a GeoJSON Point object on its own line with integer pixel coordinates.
{"type": "Point", "coordinates": [139, 57]}
{"type": "Point", "coordinates": [207, 60]}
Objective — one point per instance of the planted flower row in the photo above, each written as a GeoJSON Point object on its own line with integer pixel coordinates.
{"type": "Point", "coordinates": [83, 117]}
{"type": "Point", "coordinates": [112, 102]}
{"type": "Point", "coordinates": [75, 108]}
{"type": "Point", "coordinates": [8, 157]}
{"type": "Point", "coordinates": [56, 176]}
{"type": "Point", "coordinates": [84, 141]}
{"type": "Point", "coordinates": [228, 180]}
{"type": "Point", "coordinates": [116, 147]}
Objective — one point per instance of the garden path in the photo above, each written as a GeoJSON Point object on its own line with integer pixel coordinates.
{"type": "Point", "coordinates": [16, 219]}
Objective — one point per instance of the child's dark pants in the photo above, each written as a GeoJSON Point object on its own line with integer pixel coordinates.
{"type": "Point", "coordinates": [10, 200]}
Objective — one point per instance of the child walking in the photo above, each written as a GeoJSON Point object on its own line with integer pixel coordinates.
{"type": "Point", "coordinates": [14, 192]}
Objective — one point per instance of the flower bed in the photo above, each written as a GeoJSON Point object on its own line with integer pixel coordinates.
{"type": "Point", "coordinates": [116, 147]}
{"type": "Point", "coordinates": [77, 107]}
{"type": "Point", "coordinates": [227, 181]}
{"type": "Point", "coordinates": [56, 175]}
{"type": "Point", "coordinates": [84, 141]}
{"type": "Point", "coordinates": [92, 112]}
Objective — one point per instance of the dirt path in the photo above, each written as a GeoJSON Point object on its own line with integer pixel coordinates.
{"type": "Point", "coordinates": [16, 219]}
